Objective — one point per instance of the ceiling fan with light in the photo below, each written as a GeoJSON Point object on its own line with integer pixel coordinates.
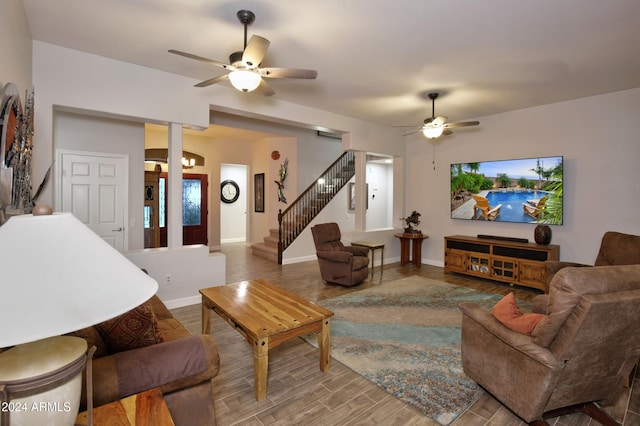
{"type": "Point", "coordinates": [434, 127]}
{"type": "Point", "coordinates": [244, 66]}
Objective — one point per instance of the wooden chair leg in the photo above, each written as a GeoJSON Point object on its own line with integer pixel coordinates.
{"type": "Point", "coordinates": [591, 409]}
{"type": "Point", "coordinates": [596, 412]}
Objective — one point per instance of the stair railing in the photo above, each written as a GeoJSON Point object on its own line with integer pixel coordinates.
{"type": "Point", "coordinates": [295, 218]}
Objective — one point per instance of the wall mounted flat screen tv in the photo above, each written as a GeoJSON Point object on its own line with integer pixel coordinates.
{"type": "Point", "coordinates": [527, 190]}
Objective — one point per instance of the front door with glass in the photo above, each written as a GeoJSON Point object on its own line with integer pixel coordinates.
{"type": "Point", "coordinates": [194, 209]}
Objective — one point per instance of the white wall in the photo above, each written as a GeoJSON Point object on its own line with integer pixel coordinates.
{"type": "Point", "coordinates": [181, 272]}
{"type": "Point", "coordinates": [598, 137]}
{"type": "Point", "coordinates": [15, 46]}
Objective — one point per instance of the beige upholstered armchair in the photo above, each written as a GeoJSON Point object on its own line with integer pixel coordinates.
{"type": "Point", "coordinates": [339, 264]}
{"type": "Point", "coordinates": [581, 352]}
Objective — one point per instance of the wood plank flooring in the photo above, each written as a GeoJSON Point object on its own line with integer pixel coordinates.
{"type": "Point", "coordinates": [300, 394]}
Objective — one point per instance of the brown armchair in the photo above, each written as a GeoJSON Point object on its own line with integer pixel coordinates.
{"type": "Point", "coordinates": [616, 248]}
{"type": "Point", "coordinates": [580, 353]}
{"type": "Point", "coordinates": [339, 264]}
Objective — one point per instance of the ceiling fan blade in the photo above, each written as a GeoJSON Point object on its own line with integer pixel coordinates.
{"type": "Point", "coordinates": [439, 120]}
{"type": "Point", "coordinates": [447, 132]}
{"type": "Point", "coordinates": [462, 124]}
{"type": "Point", "coordinates": [255, 51]}
{"type": "Point", "coordinates": [288, 73]}
{"type": "Point", "coordinates": [213, 80]}
{"type": "Point", "coordinates": [200, 58]}
{"type": "Point", "coordinates": [265, 88]}
{"type": "Point", "coordinates": [411, 133]}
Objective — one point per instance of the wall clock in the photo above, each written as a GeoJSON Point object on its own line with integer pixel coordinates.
{"type": "Point", "coordinates": [229, 191]}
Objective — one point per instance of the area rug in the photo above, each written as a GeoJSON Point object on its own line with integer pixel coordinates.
{"type": "Point", "coordinates": [404, 336]}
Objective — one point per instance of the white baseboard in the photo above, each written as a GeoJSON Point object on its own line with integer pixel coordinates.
{"type": "Point", "coordinates": [185, 301]}
{"type": "Point", "coordinates": [298, 259]}
{"type": "Point", "coordinates": [232, 240]}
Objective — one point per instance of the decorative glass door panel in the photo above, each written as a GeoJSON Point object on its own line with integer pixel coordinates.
{"type": "Point", "coordinates": [194, 209]}
{"type": "Point", "coordinates": [504, 269]}
{"type": "Point", "coordinates": [478, 265]}
{"type": "Point", "coordinates": [191, 202]}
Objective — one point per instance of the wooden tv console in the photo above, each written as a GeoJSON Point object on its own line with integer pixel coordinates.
{"type": "Point", "coordinates": [499, 259]}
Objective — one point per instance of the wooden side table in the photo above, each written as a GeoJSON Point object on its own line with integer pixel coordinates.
{"type": "Point", "coordinates": [372, 248]}
{"type": "Point", "coordinates": [414, 240]}
{"type": "Point", "coordinates": [143, 409]}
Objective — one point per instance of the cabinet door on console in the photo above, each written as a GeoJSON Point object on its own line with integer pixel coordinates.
{"type": "Point", "coordinates": [532, 274]}
{"type": "Point", "coordinates": [455, 260]}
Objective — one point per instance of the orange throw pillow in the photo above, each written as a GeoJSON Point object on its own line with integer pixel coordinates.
{"type": "Point", "coordinates": [508, 313]}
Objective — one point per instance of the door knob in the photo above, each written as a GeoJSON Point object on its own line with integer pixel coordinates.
{"type": "Point", "coordinates": [118, 229]}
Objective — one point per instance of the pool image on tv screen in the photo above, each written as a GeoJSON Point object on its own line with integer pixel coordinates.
{"type": "Point", "coordinates": [527, 190]}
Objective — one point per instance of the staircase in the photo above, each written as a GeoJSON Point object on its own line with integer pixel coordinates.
{"type": "Point", "coordinates": [269, 248]}
{"type": "Point", "coordinates": [295, 218]}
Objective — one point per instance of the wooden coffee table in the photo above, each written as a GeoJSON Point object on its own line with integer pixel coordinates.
{"type": "Point", "coordinates": [267, 315]}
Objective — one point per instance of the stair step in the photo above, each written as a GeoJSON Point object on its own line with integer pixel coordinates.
{"type": "Point", "coordinates": [271, 241]}
{"type": "Point", "coordinates": [265, 251]}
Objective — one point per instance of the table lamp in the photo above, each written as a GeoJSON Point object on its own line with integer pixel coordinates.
{"type": "Point", "coordinates": [56, 276]}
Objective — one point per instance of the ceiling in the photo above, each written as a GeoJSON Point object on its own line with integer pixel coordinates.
{"type": "Point", "coordinates": [376, 59]}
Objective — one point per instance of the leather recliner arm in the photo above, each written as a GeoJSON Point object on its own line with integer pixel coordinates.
{"type": "Point", "coordinates": [170, 365]}
{"type": "Point", "coordinates": [335, 256]}
{"type": "Point", "coordinates": [357, 250]}
{"type": "Point", "coordinates": [500, 333]}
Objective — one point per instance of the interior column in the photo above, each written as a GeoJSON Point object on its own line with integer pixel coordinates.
{"type": "Point", "coordinates": [361, 191]}
{"type": "Point", "coordinates": [174, 187]}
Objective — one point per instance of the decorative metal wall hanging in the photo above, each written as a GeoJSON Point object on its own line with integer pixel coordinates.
{"type": "Point", "coordinates": [282, 174]}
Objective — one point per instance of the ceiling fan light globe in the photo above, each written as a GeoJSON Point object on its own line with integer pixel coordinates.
{"type": "Point", "coordinates": [245, 81]}
{"type": "Point", "coordinates": [432, 132]}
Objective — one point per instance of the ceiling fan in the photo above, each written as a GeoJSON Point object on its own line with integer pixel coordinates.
{"type": "Point", "coordinates": [244, 66]}
{"type": "Point", "coordinates": [434, 127]}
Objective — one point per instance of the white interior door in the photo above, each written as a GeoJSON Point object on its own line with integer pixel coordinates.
{"type": "Point", "coordinates": [93, 186]}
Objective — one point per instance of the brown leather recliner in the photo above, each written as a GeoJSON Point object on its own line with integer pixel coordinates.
{"type": "Point", "coordinates": [616, 248]}
{"type": "Point", "coordinates": [339, 264]}
{"type": "Point", "coordinates": [580, 353]}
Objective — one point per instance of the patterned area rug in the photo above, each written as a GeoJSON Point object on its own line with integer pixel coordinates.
{"type": "Point", "coordinates": [404, 336]}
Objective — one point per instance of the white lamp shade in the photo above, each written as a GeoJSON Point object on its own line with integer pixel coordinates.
{"type": "Point", "coordinates": [58, 276]}
{"type": "Point", "coordinates": [244, 80]}
{"type": "Point", "coordinates": [430, 131]}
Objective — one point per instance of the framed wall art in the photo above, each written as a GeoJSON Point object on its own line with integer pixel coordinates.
{"type": "Point", "coordinates": [258, 192]}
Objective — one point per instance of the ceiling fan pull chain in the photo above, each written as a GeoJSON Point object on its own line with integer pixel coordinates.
{"type": "Point", "coordinates": [433, 159]}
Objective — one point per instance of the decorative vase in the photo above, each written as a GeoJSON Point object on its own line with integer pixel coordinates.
{"type": "Point", "coordinates": [542, 234]}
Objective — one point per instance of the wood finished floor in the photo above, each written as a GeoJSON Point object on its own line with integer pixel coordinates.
{"type": "Point", "coordinates": [299, 393]}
